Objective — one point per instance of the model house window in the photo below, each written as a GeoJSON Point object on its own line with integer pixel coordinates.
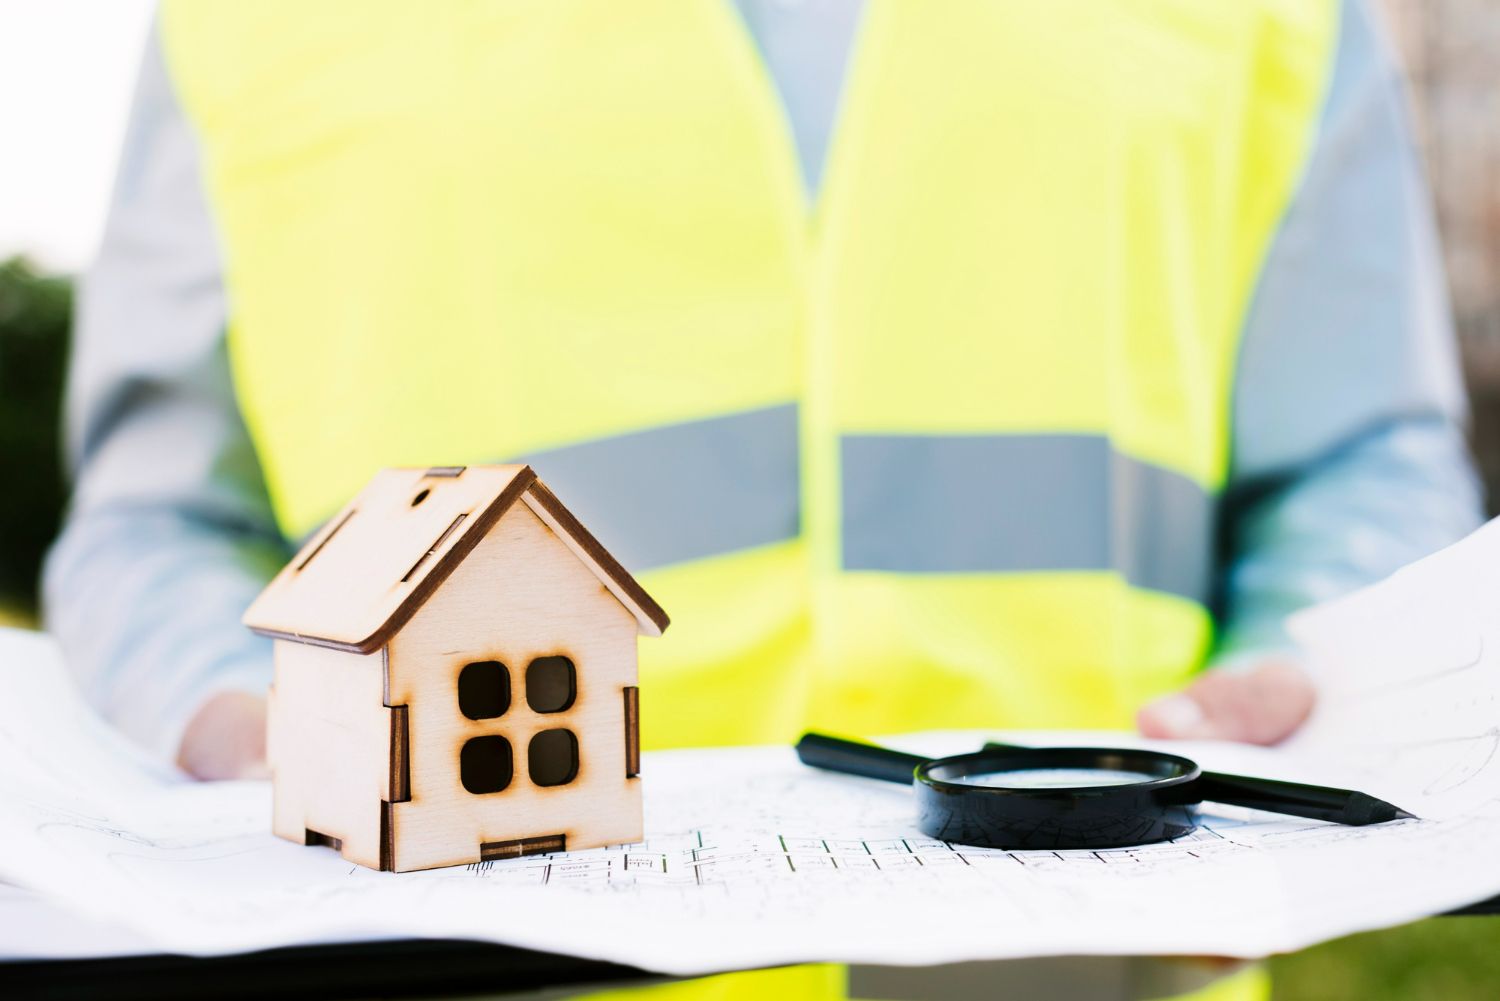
{"type": "Point", "coordinates": [484, 689]}
{"type": "Point", "coordinates": [552, 757]}
{"type": "Point", "coordinates": [485, 764]}
{"type": "Point", "coordinates": [551, 684]}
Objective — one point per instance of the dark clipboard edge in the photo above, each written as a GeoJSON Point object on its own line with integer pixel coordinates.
{"type": "Point", "coordinates": [378, 969]}
{"type": "Point", "coordinates": [382, 969]}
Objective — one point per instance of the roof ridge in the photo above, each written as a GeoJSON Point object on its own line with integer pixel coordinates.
{"type": "Point", "coordinates": [281, 609]}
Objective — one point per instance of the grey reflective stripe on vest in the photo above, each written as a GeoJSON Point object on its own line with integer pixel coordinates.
{"type": "Point", "coordinates": [684, 491]}
{"type": "Point", "coordinates": [1017, 503]}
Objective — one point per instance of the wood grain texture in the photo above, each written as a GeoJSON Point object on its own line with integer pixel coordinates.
{"type": "Point", "coordinates": [545, 505]}
{"type": "Point", "coordinates": [389, 550]}
{"type": "Point", "coordinates": [358, 581]}
{"type": "Point", "coordinates": [521, 593]}
{"type": "Point", "coordinates": [328, 748]}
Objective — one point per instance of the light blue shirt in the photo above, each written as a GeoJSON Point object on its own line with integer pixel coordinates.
{"type": "Point", "coordinates": [1349, 455]}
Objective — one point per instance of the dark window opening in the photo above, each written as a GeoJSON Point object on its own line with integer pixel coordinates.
{"type": "Point", "coordinates": [485, 764]}
{"type": "Point", "coordinates": [484, 689]}
{"type": "Point", "coordinates": [551, 684]}
{"type": "Point", "coordinates": [420, 497]}
{"type": "Point", "coordinates": [552, 758]}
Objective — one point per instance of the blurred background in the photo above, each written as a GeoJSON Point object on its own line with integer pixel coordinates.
{"type": "Point", "coordinates": [66, 69]}
{"type": "Point", "coordinates": [1451, 50]}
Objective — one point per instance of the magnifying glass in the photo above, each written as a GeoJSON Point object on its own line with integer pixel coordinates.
{"type": "Point", "coordinates": [1061, 798]}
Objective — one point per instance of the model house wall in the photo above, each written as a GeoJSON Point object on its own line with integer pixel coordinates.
{"type": "Point", "coordinates": [520, 595]}
{"type": "Point", "coordinates": [455, 676]}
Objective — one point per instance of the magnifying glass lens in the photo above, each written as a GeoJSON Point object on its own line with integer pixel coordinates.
{"type": "Point", "coordinates": [1053, 778]}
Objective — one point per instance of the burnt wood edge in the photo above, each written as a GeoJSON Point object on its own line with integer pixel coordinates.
{"type": "Point", "coordinates": [400, 755]}
{"type": "Point", "coordinates": [315, 546]}
{"type": "Point", "coordinates": [632, 732]}
{"type": "Point", "coordinates": [299, 561]}
{"type": "Point", "coordinates": [492, 851]}
{"type": "Point", "coordinates": [387, 838]}
{"type": "Point", "coordinates": [441, 570]}
{"type": "Point", "coordinates": [314, 838]}
{"type": "Point", "coordinates": [611, 566]}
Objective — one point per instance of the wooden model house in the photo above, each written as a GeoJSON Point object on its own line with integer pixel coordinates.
{"type": "Point", "coordinates": [455, 676]}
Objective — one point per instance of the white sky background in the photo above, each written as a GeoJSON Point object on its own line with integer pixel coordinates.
{"type": "Point", "coordinates": [67, 69]}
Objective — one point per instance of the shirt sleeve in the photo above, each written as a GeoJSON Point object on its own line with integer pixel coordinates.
{"type": "Point", "coordinates": [170, 533]}
{"type": "Point", "coordinates": [1349, 451]}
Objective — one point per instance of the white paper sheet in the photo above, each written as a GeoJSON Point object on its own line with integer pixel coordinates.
{"type": "Point", "coordinates": [752, 859]}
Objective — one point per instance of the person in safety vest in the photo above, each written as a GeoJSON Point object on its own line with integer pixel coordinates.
{"type": "Point", "coordinates": [964, 364]}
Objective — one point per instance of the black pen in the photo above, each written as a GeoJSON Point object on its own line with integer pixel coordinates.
{"type": "Point", "coordinates": [1296, 799]}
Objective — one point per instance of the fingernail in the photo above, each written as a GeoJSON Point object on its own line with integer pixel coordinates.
{"type": "Point", "coordinates": [1176, 715]}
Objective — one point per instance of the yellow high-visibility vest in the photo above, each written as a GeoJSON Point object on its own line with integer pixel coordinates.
{"type": "Point", "coordinates": [942, 449]}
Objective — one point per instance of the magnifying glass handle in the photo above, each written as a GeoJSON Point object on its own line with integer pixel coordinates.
{"type": "Point", "coordinates": [855, 758]}
{"type": "Point", "coordinates": [1295, 799]}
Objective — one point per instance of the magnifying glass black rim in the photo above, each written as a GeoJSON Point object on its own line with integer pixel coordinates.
{"type": "Point", "coordinates": [1172, 770]}
{"type": "Point", "coordinates": [1117, 815]}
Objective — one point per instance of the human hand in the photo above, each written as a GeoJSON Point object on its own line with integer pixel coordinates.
{"type": "Point", "coordinates": [1262, 704]}
{"type": "Point", "coordinates": [226, 738]}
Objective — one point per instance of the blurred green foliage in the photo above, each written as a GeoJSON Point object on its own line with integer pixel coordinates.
{"type": "Point", "coordinates": [35, 318]}
{"type": "Point", "coordinates": [1441, 959]}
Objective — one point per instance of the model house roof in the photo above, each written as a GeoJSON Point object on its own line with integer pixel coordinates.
{"type": "Point", "coordinates": [363, 575]}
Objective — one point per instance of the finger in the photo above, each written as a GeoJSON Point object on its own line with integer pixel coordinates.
{"type": "Point", "coordinates": [254, 771]}
{"type": "Point", "coordinates": [226, 738]}
{"type": "Point", "coordinates": [1263, 705]}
